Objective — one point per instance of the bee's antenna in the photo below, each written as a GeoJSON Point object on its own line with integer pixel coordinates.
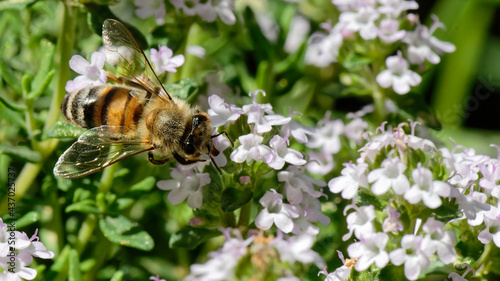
{"type": "Point", "coordinates": [215, 165]}
{"type": "Point", "coordinates": [225, 134]}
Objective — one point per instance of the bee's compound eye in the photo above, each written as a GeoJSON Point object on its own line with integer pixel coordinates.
{"type": "Point", "coordinates": [189, 148]}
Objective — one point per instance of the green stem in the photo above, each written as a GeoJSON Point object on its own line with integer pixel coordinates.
{"type": "Point", "coordinates": [107, 179]}
{"type": "Point", "coordinates": [191, 65]}
{"type": "Point", "coordinates": [245, 211]}
{"type": "Point", "coordinates": [379, 102]}
{"type": "Point", "coordinates": [65, 42]}
{"type": "Point", "coordinates": [102, 253]}
{"type": "Point", "coordinates": [86, 231]}
{"type": "Point", "coordinates": [227, 219]}
{"type": "Point", "coordinates": [484, 258]}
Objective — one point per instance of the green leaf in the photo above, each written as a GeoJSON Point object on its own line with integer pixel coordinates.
{"type": "Point", "coordinates": [189, 237]}
{"type": "Point", "coordinates": [21, 153]}
{"type": "Point", "coordinates": [12, 105]}
{"type": "Point", "coordinates": [15, 4]}
{"type": "Point", "coordinates": [122, 231]}
{"type": "Point", "coordinates": [74, 266]}
{"type": "Point", "coordinates": [185, 89]}
{"type": "Point", "coordinates": [124, 203]}
{"type": "Point", "coordinates": [60, 264]}
{"type": "Point", "coordinates": [39, 89]}
{"type": "Point", "coordinates": [232, 199]}
{"type": "Point", "coordinates": [63, 130]}
{"type": "Point", "coordinates": [355, 61]}
{"type": "Point", "coordinates": [27, 219]}
{"type": "Point", "coordinates": [144, 185]}
{"type": "Point", "coordinates": [391, 272]}
{"type": "Point", "coordinates": [10, 78]}
{"type": "Point", "coordinates": [118, 276]}
{"type": "Point", "coordinates": [87, 206]}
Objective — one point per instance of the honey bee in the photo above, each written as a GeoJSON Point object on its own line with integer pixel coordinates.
{"type": "Point", "coordinates": [134, 115]}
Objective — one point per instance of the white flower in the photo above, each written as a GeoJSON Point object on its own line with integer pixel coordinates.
{"type": "Point", "coordinates": [423, 46]}
{"type": "Point", "coordinates": [222, 262]}
{"type": "Point", "coordinates": [297, 249]}
{"type": "Point", "coordinates": [297, 183]}
{"type": "Point", "coordinates": [20, 268]}
{"type": "Point", "coordinates": [252, 147]}
{"type": "Point", "coordinates": [353, 177]}
{"type": "Point", "coordinates": [263, 123]}
{"type": "Point", "coordinates": [398, 75]}
{"type": "Point", "coordinates": [492, 229]}
{"type": "Point", "coordinates": [185, 184]}
{"type": "Point", "coordinates": [277, 212]}
{"type": "Point", "coordinates": [209, 11]}
{"type": "Point", "coordinates": [394, 8]}
{"type": "Point", "coordinates": [361, 20]}
{"type": "Point", "coordinates": [354, 130]}
{"type": "Point", "coordinates": [147, 8]}
{"type": "Point", "coordinates": [283, 154]}
{"type": "Point", "coordinates": [341, 273]}
{"type": "Point", "coordinates": [268, 26]}
{"type": "Point", "coordinates": [323, 50]}
{"type": "Point", "coordinates": [413, 253]}
{"type": "Point", "coordinates": [163, 61]}
{"type": "Point", "coordinates": [360, 221]}
{"type": "Point", "coordinates": [298, 131]}
{"type": "Point", "coordinates": [389, 175]}
{"type": "Point", "coordinates": [299, 28]}
{"type": "Point", "coordinates": [91, 73]}
{"type": "Point", "coordinates": [15, 266]}
{"type": "Point", "coordinates": [472, 204]}
{"type": "Point", "coordinates": [156, 278]}
{"type": "Point", "coordinates": [222, 113]}
{"type": "Point", "coordinates": [392, 222]}
{"type": "Point", "coordinates": [34, 248]}
{"type": "Point", "coordinates": [320, 162]}
{"type": "Point", "coordinates": [491, 176]}
{"type": "Point", "coordinates": [196, 50]}
{"type": "Point", "coordinates": [327, 136]}
{"type": "Point", "coordinates": [187, 6]}
{"type": "Point", "coordinates": [440, 240]}
{"type": "Point", "coordinates": [370, 249]}
{"type": "Point", "coordinates": [389, 31]}
{"type": "Point", "coordinates": [426, 189]}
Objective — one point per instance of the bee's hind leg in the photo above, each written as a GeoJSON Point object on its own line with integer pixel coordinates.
{"type": "Point", "coordinates": [152, 159]}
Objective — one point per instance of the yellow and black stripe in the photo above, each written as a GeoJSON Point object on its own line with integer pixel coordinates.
{"type": "Point", "coordinates": [103, 105]}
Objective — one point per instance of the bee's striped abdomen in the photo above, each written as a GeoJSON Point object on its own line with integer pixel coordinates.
{"type": "Point", "coordinates": [103, 105]}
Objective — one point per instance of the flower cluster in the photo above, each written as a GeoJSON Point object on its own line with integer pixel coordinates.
{"type": "Point", "coordinates": [93, 73]}
{"type": "Point", "coordinates": [207, 10]}
{"type": "Point", "coordinates": [262, 119]}
{"type": "Point", "coordinates": [382, 21]}
{"type": "Point", "coordinates": [409, 175]}
{"type": "Point", "coordinates": [17, 251]}
{"type": "Point", "coordinates": [260, 250]}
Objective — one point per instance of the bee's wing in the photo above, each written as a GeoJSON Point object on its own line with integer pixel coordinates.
{"type": "Point", "coordinates": [94, 151]}
{"type": "Point", "coordinates": [123, 51]}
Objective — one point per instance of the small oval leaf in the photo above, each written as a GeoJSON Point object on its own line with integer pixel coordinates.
{"type": "Point", "coordinates": [122, 231]}
{"type": "Point", "coordinates": [63, 130]}
{"type": "Point", "coordinates": [232, 199]}
{"type": "Point", "coordinates": [189, 237]}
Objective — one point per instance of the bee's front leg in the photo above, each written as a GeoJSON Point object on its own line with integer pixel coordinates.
{"type": "Point", "coordinates": [152, 159]}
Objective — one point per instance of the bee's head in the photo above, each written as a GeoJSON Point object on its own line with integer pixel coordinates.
{"type": "Point", "coordinates": [199, 138]}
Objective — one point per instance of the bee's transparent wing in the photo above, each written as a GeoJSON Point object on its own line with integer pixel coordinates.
{"type": "Point", "coordinates": [94, 151]}
{"type": "Point", "coordinates": [124, 53]}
